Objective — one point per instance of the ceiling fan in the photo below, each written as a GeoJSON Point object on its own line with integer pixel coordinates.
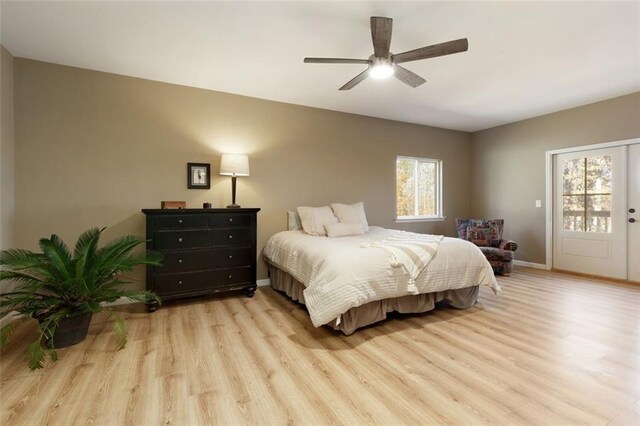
{"type": "Point", "coordinates": [383, 64]}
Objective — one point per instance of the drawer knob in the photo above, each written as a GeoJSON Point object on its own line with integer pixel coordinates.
{"type": "Point", "coordinates": [230, 275]}
{"type": "Point", "coordinates": [230, 219]}
{"type": "Point", "coordinates": [179, 260]}
{"type": "Point", "coordinates": [179, 220]}
{"type": "Point", "coordinates": [179, 240]}
{"type": "Point", "coordinates": [180, 282]}
{"type": "Point", "coordinates": [230, 237]}
{"type": "Point", "coordinates": [230, 256]}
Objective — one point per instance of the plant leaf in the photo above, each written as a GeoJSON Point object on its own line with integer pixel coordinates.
{"type": "Point", "coordinates": [6, 331]}
{"type": "Point", "coordinates": [19, 276]}
{"type": "Point", "coordinates": [35, 355]}
{"type": "Point", "coordinates": [57, 259]}
{"type": "Point", "coordinates": [53, 354]}
{"type": "Point", "coordinates": [61, 248]}
{"type": "Point", "coordinates": [85, 257]}
{"type": "Point", "coordinates": [119, 329]}
{"type": "Point", "coordinates": [116, 249]}
{"type": "Point", "coordinates": [19, 259]}
{"type": "Point", "coordinates": [87, 242]}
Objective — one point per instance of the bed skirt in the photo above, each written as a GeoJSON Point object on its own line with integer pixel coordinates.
{"type": "Point", "coordinates": [376, 311]}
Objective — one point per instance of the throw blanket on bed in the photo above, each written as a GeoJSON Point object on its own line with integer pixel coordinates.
{"type": "Point", "coordinates": [413, 251]}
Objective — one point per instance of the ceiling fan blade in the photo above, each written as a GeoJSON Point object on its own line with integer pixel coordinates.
{"type": "Point", "coordinates": [441, 49]}
{"type": "Point", "coordinates": [355, 80]}
{"type": "Point", "coordinates": [407, 77]}
{"type": "Point", "coordinates": [381, 35]}
{"type": "Point", "coordinates": [335, 61]}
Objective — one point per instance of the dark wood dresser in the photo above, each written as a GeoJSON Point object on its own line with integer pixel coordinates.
{"type": "Point", "coordinates": [205, 251]}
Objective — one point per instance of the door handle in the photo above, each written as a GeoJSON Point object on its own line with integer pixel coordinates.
{"type": "Point", "coordinates": [632, 220]}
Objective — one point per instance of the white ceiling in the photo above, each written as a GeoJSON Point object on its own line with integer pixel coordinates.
{"type": "Point", "coordinates": [525, 58]}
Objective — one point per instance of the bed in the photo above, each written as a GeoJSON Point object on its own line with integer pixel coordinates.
{"type": "Point", "coordinates": [350, 282]}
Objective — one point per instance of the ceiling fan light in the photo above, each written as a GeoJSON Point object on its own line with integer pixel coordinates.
{"type": "Point", "coordinates": [381, 71]}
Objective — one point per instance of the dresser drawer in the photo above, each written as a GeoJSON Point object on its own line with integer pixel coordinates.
{"type": "Point", "coordinates": [188, 239]}
{"type": "Point", "coordinates": [193, 282]}
{"type": "Point", "coordinates": [180, 221]}
{"type": "Point", "coordinates": [198, 260]}
{"type": "Point", "coordinates": [230, 219]}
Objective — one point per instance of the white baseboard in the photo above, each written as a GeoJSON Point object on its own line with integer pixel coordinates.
{"type": "Point", "coordinates": [530, 264]}
{"type": "Point", "coordinates": [121, 301]}
{"type": "Point", "coordinates": [265, 282]}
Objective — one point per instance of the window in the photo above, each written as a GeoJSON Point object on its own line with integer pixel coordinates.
{"type": "Point", "coordinates": [586, 194]}
{"type": "Point", "coordinates": [418, 188]}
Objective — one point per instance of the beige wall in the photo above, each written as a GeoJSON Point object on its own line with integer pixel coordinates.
{"type": "Point", "coordinates": [508, 163]}
{"type": "Point", "coordinates": [92, 149]}
{"type": "Point", "coordinates": [6, 150]}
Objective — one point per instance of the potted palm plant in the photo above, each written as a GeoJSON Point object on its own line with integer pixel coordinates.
{"type": "Point", "coordinates": [62, 290]}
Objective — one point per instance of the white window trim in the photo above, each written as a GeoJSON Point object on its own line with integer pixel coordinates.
{"type": "Point", "coordinates": [439, 184]}
{"type": "Point", "coordinates": [406, 219]}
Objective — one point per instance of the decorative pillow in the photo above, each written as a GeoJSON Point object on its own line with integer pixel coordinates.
{"type": "Point", "coordinates": [353, 213]}
{"type": "Point", "coordinates": [313, 219]}
{"type": "Point", "coordinates": [461, 226]}
{"type": "Point", "coordinates": [478, 236]}
{"type": "Point", "coordinates": [343, 229]}
{"type": "Point", "coordinates": [486, 233]}
{"type": "Point", "coordinates": [293, 221]}
{"type": "Point", "coordinates": [497, 224]}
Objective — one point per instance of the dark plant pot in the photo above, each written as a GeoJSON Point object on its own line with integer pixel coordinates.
{"type": "Point", "coordinates": [71, 330]}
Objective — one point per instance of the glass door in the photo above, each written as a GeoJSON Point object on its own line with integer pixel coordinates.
{"type": "Point", "coordinates": [590, 218]}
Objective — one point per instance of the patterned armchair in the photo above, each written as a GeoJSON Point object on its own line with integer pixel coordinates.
{"type": "Point", "coordinates": [487, 235]}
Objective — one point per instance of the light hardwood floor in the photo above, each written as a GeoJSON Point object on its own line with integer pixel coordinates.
{"type": "Point", "coordinates": [551, 349]}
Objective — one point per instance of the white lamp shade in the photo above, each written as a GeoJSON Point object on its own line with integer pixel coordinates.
{"type": "Point", "coordinates": [234, 165]}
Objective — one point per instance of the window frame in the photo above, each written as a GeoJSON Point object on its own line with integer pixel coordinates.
{"type": "Point", "coordinates": [439, 216]}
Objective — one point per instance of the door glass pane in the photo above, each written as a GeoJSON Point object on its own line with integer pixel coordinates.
{"type": "Point", "coordinates": [426, 189]}
{"type": "Point", "coordinates": [581, 177]}
{"type": "Point", "coordinates": [573, 213]}
{"type": "Point", "coordinates": [599, 174]}
{"type": "Point", "coordinates": [598, 213]}
{"type": "Point", "coordinates": [573, 176]}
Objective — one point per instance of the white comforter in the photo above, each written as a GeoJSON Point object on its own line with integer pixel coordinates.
{"type": "Point", "coordinates": [339, 273]}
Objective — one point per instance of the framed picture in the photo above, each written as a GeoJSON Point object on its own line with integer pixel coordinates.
{"type": "Point", "coordinates": [198, 176]}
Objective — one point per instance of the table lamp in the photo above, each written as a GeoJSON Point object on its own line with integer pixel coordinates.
{"type": "Point", "coordinates": [234, 165]}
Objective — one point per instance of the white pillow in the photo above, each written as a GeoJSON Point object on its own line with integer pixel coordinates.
{"type": "Point", "coordinates": [314, 218]}
{"type": "Point", "coordinates": [343, 229]}
{"type": "Point", "coordinates": [351, 214]}
{"type": "Point", "coordinates": [293, 221]}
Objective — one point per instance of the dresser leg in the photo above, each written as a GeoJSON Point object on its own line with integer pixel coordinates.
{"type": "Point", "coordinates": [251, 291]}
{"type": "Point", "coordinates": [152, 306]}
